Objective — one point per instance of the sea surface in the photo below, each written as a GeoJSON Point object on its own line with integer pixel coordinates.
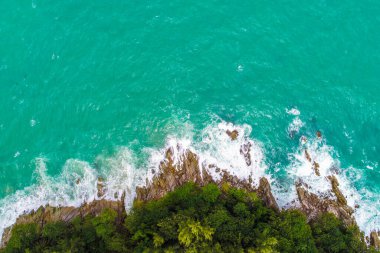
{"type": "Point", "coordinates": [101, 88]}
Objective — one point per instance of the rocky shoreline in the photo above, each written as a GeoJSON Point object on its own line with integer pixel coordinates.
{"type": "Point", "coordinates": [172, 174]}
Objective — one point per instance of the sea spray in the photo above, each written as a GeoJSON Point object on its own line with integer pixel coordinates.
{"type": "Point", "coordinates": [74, 186]}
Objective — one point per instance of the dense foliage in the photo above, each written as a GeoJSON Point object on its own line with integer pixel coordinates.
{"type": "Point", "coordinates": [192, 219]}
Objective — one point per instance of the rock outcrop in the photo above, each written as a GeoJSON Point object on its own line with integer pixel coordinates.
{"type": "Point", "coordinates": [232, 134]}
{"type": "Point", "coordinates": [315, 165]}
{"type": "Point", "coordinates": [312, 205]}
{"type": "Point", "coordinates": [335, 188]}
{"type": "Point", "coordinates": [265, 193]}
{"type": "Point", "coordinates": [100, 187]}
{"type": "Point", "coordinates": [374, 240]}
{"type": "Point", "coordinates": [172, 175]}
{"type": "Point", "coordinates": [245, 150]}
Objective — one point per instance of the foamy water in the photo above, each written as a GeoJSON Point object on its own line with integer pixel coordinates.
{"type": "Point", "coordinates": [122, 173]}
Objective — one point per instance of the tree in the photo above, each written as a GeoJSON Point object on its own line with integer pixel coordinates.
{"type": "Point", "coordinates": [193, 236]}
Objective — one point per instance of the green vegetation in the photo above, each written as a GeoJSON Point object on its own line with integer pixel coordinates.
{"type": "Point", "coordinates": [192, 219]}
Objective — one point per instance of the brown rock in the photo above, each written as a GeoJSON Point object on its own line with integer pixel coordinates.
{"type": "Point", "coordinates": [319, 134]}
{"type": "Point", "coordinates": [307, 155]}
{"type": "Point", "coordinates": [232, 134]}
{"type": "Point", "coordinates": [100, 187]}
{"type": "Point", "coordinates": [234, 181]}
{"type": "Point", "coordinates": [171, 175]}
{"type": "Point", "coordinates": [335, 188]}
{"type": "Point", "coordinates": [374, 240]}
{"type": "Point", "coordinates": [265, 193]}
{"type": "Point", "coordinates": [6, 237]}
{"type": "Point", "coordinates": [316, 168]}
{"type": "Point", "coordinates": [312, 206]}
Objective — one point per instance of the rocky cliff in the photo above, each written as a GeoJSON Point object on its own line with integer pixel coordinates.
{"type": "Point", "coordinates": [312, 205]}
{"type": "Point", "coordinates": [172, 174]}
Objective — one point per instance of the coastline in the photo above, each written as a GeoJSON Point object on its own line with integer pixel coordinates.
{"type": "Point", "coordinates": [172, 174]}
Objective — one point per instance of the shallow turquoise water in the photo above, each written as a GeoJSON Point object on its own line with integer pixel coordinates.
{"type": "Point", "coordinates": [82, 79]}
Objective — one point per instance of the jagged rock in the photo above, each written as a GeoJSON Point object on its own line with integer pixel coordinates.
{"type": "Point", "coordinates": [316, 168]}
{"type": "Point", "coordinates": [100, 187]}
{"type": "Point", "coordinates": [265, 193]}
{"type": "Point", "coordinates": [232, 134]}
{"type": "Point", "coordinates": [319, 134]}
{"type": "Point", "coordinates": [6, 237]}
{"type": "Point", "coordinates": [374, 240]}
{"type": "Point", "coordinates": [335, 188]}
{"type": "Point", "coordinates": [315, 165]}
{"type": "Point", "coordinates": [172, 175]}
{"type": "Point", "coordinates": [307, 155]}
{"type": "Point", "coordinates": [234, 181]}
{"type": "Point", "coordinates": [245, 150]}
{"type": "Point", "coordinates": [312, 205]}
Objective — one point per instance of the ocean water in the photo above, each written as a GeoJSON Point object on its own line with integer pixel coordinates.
{"type": "Point", "coordinates": [101, 88]}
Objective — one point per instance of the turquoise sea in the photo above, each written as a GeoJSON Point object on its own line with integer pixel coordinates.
{"type": "Point", "coordinates": [92, 88]}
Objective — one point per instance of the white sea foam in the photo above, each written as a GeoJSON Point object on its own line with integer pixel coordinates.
{"type": "Point", "coordinates": [300, 168]}
{"type": "Point", "coordinates": [32, 122]}
{"type": "Point", "coordinates": [295, 126]}
{"type": "Point", "coordinates": [75, 185]}
{"type": "Point", "coordinates": [217, 148]}
{"type": "Point", "coordinates": [121, 175]}
{"type": "Point", "coordinates": [293, 111]}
